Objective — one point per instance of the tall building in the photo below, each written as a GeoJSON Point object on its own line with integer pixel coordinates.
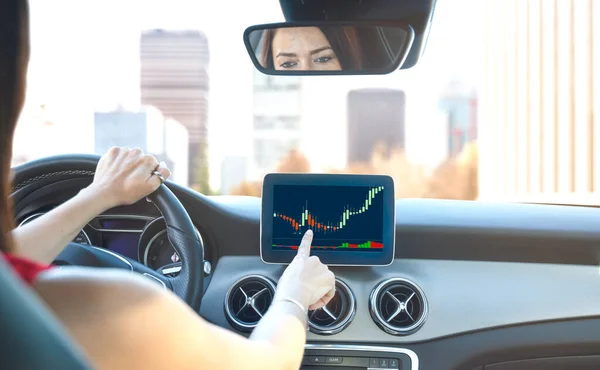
{"type": "Point", "coordinates": [375, 117]}
{"type": "Point", "coordinates": [459, 102]}
{"type": "Point", "coordinates": [277, 118]}
{"type": "Point", "coordinates": [174, 79]}
{"type": "Point", "coordinates": [540, 124]}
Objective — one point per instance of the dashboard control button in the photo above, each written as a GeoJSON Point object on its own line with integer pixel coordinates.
{"type": "Point", "coordinates": [384, 363]}
{"type": "Point", "coordinates": [333, 360]}
{"type": "Point", "coordinates": [207, 268]}
{"type": "Point", "coordinates": [316, 359]}
{"type": "Point", "coordinates": [373, 362]}
{"type": "Point", "coordinates": [394, 363]}
{"type": "Point", "coordinates": [81, 239]}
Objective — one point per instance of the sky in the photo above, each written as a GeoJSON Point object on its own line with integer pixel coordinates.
{"type": "Point", "coordinates": [85, 56]}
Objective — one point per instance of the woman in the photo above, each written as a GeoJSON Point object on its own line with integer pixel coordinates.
{"type": "Point", "coordinates": [108, 311]}
{"type": "Point", "coordinates": [311, 49]}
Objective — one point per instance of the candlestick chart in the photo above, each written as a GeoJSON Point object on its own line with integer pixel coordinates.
{"type": "Point", "coordinates": [342, 218]}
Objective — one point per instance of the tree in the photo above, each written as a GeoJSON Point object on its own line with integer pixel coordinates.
{"type": "Point", "coordinates": [456, 178]}
{"type": "Point", "coordinates": [469, 160]}
{"type": "Point", "coordinates": [294, 162]}
{"type": "Point", "coordinates": [199, 171]}
{"type": "Point", "coordinates": [409, 179]}
{"type": "Point", "coordinates": [253, 189]}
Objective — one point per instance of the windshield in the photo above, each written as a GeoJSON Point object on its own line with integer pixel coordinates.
{"type": "Point", "coordinates": [500, 106]}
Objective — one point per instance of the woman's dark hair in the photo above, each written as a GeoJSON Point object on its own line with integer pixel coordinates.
{"type": "Point", "coordinates": [14, 57]}
{"type": "Point", "coordinates": [343, 40]}
{"type": "Point", "coordinates": [266, 55]}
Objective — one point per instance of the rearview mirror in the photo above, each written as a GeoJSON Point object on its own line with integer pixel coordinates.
{"type": "Point", "coordinates": [329, 48]}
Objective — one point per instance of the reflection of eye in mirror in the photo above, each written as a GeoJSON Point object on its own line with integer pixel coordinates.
{"type": "Point", "coordinates": [347, 49]}
{"type": "Point", "coordinates": [303, 48]}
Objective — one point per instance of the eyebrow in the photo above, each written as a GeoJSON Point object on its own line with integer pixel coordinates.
{"type": "Point", "coordinates": [312, 52]}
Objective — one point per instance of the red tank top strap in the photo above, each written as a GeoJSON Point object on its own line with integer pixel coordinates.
{"type": "Point", "coordinates": [26, 269]}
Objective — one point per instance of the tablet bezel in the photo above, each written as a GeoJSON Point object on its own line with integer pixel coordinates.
{"type": "Point", "coordinates": [331, 258]}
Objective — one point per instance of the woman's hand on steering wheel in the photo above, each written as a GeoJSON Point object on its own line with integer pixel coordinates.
{"type": "Point", "coordinates": [124, 176]}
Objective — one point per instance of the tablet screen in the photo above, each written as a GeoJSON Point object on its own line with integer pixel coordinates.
{"type": "Point", "coordinates": [352, 222]}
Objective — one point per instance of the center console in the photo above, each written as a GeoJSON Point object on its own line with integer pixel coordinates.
{"type": "Point", "coordinates": [350, 357]}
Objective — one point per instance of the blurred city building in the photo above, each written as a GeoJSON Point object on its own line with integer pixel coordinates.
{"type": "Point", "coordinates": [539, 124]}
{"type": "Point", "coordinates": [276, 121]}
{"type": "Point", "coordinates": [376, 117]}
{"type": "Point", "coordinates": [459, 103]}
{"type": "Point", "coordinates": [148, 130]}
{"type": "Point", "coordinates": [174, 78]}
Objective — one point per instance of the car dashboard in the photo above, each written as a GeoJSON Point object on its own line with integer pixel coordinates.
{"type": "Point", "coordinates": [473, 285]}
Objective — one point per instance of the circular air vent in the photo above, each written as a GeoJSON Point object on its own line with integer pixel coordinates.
{"type": "Point", "coordinates": [398, 306]}
{"type": "Point", "coordinates": [248, 300]}
{"type": "Point", "coordinates": [338, 313]}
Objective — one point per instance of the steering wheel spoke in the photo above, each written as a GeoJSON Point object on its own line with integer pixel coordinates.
{"type": "Point", "coordinates": [91, 256]}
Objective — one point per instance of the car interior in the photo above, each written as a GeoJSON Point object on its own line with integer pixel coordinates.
{"type": "Point", "coordinates": [471, 285]}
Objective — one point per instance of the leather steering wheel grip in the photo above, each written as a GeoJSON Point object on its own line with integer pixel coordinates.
{"type": "Point", "coordinates": [188, 285]}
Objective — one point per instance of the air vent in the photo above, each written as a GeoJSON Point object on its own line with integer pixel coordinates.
{"type": "Point", "coordinates": [398, 306]}
{"type": "Point", "coordinates": [338, 313]}
{"type": "Point", "coordinates": [248, 300]}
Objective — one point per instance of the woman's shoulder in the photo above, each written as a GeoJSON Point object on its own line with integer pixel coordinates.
{"type": "Point", "coordinates": [28, 270]}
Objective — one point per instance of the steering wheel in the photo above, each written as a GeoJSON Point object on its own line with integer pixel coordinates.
{"type": "Point", "coordinates": [34, 176]}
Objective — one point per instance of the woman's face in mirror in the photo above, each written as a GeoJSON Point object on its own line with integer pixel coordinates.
{"type": "Point", "coordinates": [303, 49]}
